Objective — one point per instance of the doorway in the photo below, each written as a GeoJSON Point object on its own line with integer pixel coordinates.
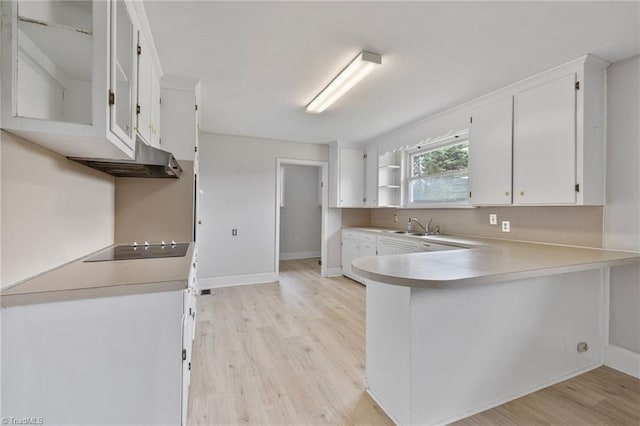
{"type": "Point", "coordinates": [301, 211]}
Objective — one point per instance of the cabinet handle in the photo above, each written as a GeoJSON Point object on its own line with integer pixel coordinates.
{"type": "Point", "coordinates": [521, 192]}
{"type": "Point", "coordinates": [506, 193]}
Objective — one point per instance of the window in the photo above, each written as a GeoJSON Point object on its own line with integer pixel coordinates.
{"type": "Point", "coordinates": [439, 174]}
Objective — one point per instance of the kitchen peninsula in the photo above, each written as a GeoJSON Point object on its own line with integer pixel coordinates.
{"type": "Point", "coordinates": [452, 333]}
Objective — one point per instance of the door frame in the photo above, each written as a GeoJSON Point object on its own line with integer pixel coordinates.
{"type": "Point", "coordinates": [324, 170]}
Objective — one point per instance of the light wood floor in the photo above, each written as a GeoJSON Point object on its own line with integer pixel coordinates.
{"type": "Point", "coordinates": [292, 353]}
{"type": "Point", "coordinates": [282, 354]}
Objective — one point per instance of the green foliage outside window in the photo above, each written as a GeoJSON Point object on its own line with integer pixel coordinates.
{"type": "Point", "coordinates": [444, 160]}
{"type": "Point", "coordinates": [440, 175]}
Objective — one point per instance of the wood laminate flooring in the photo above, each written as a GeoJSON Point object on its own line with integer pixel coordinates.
{"type": "Point", "coordinates": [293, 353]}
{"type": "Point", "coordinates": [287, 353]}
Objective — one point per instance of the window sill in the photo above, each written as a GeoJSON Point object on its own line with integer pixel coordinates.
{"type": "Point", "coordinates": [457, 205]}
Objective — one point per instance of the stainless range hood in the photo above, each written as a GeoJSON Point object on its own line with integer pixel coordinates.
{"type": "Point", "coordinates": [150, 162]}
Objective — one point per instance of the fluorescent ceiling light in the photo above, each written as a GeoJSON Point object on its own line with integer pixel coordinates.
{"type": "Point", "coordinates": [358, 69]}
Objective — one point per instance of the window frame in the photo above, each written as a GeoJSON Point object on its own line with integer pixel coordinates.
{"type": "Point", "coordinates": [429, 146]}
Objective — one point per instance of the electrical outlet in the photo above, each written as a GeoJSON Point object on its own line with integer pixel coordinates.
{"type": "Point", "coordinates": [395, 218]}
{"type": "Point", "coordinates": [493, 219]}
{"type": "Point", "coordinates": [506, 226]}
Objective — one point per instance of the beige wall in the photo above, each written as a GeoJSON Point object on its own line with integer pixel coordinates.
{"type": "Point", "coordinates": [562, 225]}
{"type": "Point", "coordinates": [356, 217]}
{"type": "Point", "coordinates": [53, 210]}
{"type": "Point", "coordinates": [155, 209]}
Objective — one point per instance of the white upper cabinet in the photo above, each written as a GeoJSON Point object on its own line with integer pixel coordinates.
{"type": "Point", "coordinates": [490, 142]}
{"type": "Point", "coordinates": [148, 101]}
{"type": "Point", "coordinates": [122, 95]}
{"type": "Point", "coordinates": [556, 156]}
{"type": "Point", "coordinates": [351, 169]}
{"type": "Point", "coordinates": [155, 106]}
{"type": "Point", "coordinates": [69, 75]}
{"type": "Point", "coordinates": [143, 106]}
{"type": "Point", "coordinates": [544, 155]}
{"type": "Point", "coordinates": [180, 121]}
{"type": "Point", "coordinates": [346, 176]}
{"type": "Point", "coordinates": [358, 178]}
{"type": "Point", "coordinates": [558, 146]}
{"type": "Point", "coordinates": [371, 177]}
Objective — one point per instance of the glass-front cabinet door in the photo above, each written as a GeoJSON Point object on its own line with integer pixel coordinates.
{"type": "Point", "coordinates": [121, 97]}
{"type": "Point", "coordinates": [68, 75]}
{"type": "Point", "coordinates": [54, 61]}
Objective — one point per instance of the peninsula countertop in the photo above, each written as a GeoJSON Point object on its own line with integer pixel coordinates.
{"type": "Point", "coordinates": [483, 261]}
{"type": "Point", "coordinates": [84, 280]}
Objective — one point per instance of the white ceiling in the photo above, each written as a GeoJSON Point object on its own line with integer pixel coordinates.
{"type": "Point", "coordinates": [260, 63]}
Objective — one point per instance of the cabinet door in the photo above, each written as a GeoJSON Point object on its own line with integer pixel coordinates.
{"type": "Point", "coordinates": [186, 367]}
{"type": "Point", "coordinates": [155, 108]}
{"type": "Point", "coordinates": [53, 62]}
{"type": "Point", "coordinates": [179, 123]}
{"type": "Point", "coordinates": [350, 252]}
{"type": "Point", "coordinates": [371, 178]}
{"type": "Point", "coordinates": [122, 73]}
{"type": "Point", "coordinates": [490, 153]}
{"type": "Point", "coordinates": [145, 68]}
{"type": "Point", "coordinates": [367, 249]}
{"type": "Point", "coordinates": [351, 184]}
{"type": "Point", "coordinates": [544, 150]}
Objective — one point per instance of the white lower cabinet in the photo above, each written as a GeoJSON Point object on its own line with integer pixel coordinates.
{"type": "Point", "coordinates": [111, 360]}
{"type": "Point", "coordinates": [350, 251]}
{"type": "Point", "coordinates": [357, 244]}
{"type": "Point", "coordinates": [388, 245]}
{"type": "Point", "coordinates": [354, 245]}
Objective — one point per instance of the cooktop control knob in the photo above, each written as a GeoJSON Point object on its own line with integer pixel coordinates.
{"type": "Point", "coordinates": [173, 243]}
{"type": "Point", "coordinates": [146, 244]}
{"type": "Point", "coordinates": [135, 244]}
{"type": "Point", "coordinates": [162, 243]}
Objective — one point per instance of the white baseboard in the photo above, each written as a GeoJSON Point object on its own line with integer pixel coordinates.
{"type": "Point", "coordinates": [334, 272]}
{"type": "Point", "coordinates": [215, 282]}
{"type": "Point", "coordinates": [622, 360]}
{"type": "Point", "coordinates": [299, 255]}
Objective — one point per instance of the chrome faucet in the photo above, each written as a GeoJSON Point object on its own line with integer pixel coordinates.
{"type": "Point", "coordinates": [433, 230]}
{"type": "Point", "coordinates": [428, 229]}
{"type": "Point", "coordinates": [413, 220]}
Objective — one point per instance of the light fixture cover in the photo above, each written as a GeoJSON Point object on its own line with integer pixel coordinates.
{"type": "Point", "coordinates": [358, 69]}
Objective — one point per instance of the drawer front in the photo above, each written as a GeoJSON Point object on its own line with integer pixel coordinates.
{"type": "Point", "coordinates": [365, 236]}
{"type": "Point", "coordinates": [352, 235]}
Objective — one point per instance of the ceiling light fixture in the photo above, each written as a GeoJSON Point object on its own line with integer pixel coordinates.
{"type": "Point", "coordinates": [358, 69]}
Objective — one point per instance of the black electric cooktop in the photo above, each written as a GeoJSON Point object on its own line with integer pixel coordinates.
{"type": "Point", "coordinates": [129, 252]}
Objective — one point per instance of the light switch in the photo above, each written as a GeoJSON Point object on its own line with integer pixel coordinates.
{"type": "Point", "coordinates": [493, 219]}
{"type": "Point", "coordinates": [506, 226]}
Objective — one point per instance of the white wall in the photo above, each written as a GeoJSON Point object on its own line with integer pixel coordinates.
{"type": "Point", "coordinates": [53, 210]}
{"type": "Point", "coordinates": [238, 183]}
{"type": "Point", "coordinates": [301, 216]}
{"type": "Point", "coordinates": [622, 211]}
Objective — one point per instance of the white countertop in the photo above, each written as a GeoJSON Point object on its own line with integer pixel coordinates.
{"type": "Point", "coordinates": [486, 261]}
{"type": "Point", "coordinates": [84, 280]}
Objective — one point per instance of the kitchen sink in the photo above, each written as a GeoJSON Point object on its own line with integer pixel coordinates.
{"type": "Point", "coordinates": [417, 234]}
